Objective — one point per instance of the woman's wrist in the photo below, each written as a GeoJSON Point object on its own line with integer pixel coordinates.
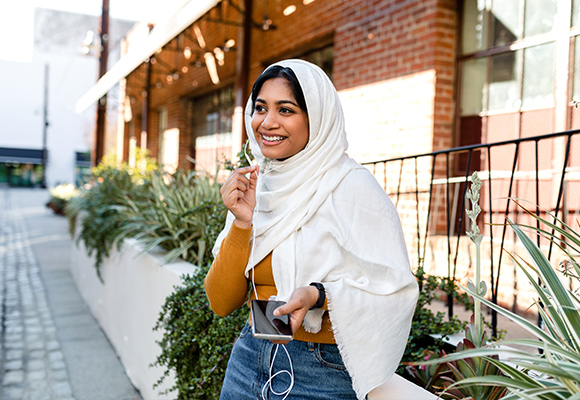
{"type": "Point", "coordinates": [243, 224]}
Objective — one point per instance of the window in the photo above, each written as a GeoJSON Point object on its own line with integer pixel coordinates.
{"type": "Point", "coordinates": [213, 113]}
{"type": "Point", "coordinates": [212, 127]}
{"type": "Point", "coordinates": [508, 55]}
{"type": "Point", "coordinates": [161, 130]}
{"type": "Point", "coordinates": [323, 57]}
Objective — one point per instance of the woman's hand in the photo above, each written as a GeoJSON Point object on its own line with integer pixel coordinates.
{"type": "Point", "coordinates": [239, 195]}
{"type": "Point", "coordinates": [300, 302]}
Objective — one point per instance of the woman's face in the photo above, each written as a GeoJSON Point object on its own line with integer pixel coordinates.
{"type": "Point", "coordinates": [279, 125]}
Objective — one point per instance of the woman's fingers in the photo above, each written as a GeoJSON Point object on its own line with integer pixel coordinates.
{"type": "Point", "coordinates": [300, 302]}
{"type": "Point", "coordinates": [239, 194]}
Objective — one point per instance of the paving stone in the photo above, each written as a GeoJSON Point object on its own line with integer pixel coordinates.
{"type": "Point", "coordinates": [12, 338]}
{"type": "Point", "coordinates": [39, 386]}
{"type": "Point", "coordinates": [12, 393]}
{"type": "Point", "coordinates": [13, 365]}
{"type": "Point", "coordinates": [36, 354]}
{"type": "Point", "coordinates": [36, 375]}
{"type": "Point", "coordinates": [55, 356]}
{"type": "Point", "coordinates": [15, 345]}
{"type": "Point", "coordinates": [14, 329]}
{"type": "Point", "coordinates": [38, 395]}
{"type": "Point", "coordinates": [52, 345]}
{"type": "Point", "coordinates": [35, 364]}
{"type": "Point", "coordinates": [57, 365]}
{"type": "Point", "coordinates": [14, 355]}
{"type": "Point", "coordinates": [59, 375]}
{"type": "Point", "coordinates": [13, 377]}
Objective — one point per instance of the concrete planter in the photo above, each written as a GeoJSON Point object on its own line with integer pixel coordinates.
{"type": "Point", "coordinates": [128, 304]}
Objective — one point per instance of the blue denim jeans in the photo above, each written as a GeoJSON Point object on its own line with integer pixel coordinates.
{"type": "Point", "coordinates": [319, 373]}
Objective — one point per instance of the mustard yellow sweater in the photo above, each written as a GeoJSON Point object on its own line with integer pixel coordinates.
{"type": "Point", "coordinates": [227, 287]}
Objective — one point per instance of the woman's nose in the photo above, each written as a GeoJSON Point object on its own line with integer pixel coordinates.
{"type": "Point", "coordinates": [270, 121]}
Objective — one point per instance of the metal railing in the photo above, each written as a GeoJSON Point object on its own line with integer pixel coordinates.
{"type": "Point", "coordinates": [543, 171]}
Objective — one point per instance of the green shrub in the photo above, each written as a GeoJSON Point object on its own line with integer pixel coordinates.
{"type": "Point", "coordinates": [101, 204]}
{"type": "Point", "coordinates": [196, 342]}
{"type": "Point", "coordinates": [102, 220]}
{"type": "Point", "coordinates": [175, 215]}
{"type": "Point", "coordinates": [426, 323]}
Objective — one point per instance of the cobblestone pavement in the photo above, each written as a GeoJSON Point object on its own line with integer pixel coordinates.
{"type": "Point", "coordinates": [51, 347]}
{"type": "Point", "coordinates": [32, 361]}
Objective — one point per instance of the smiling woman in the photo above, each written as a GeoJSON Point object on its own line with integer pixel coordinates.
{"type": "Point", "coordinates": [310, 227]}
{"type": "Point", "coordinates": [279, 124]}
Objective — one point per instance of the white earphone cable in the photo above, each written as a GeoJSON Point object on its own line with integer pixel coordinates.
{"type": "Point", "coordinates": [268, 384]}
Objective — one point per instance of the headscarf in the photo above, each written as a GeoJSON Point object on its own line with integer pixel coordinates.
{"type": "Point", "coordinates": [326, 219]}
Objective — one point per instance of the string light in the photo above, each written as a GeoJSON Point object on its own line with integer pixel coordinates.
{"type": "Point", "coordinates": [289, 10]}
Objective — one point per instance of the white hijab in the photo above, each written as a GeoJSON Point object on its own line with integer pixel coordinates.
{"type": "Point", "coordinates": [326, 219]}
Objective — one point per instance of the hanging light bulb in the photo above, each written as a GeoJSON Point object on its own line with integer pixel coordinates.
{"type": "Point", "coordinates": [219, 56]}
{"type": "Point", "coordinates": [229, 44]}
{"type": "Point", "coordinates": [199, 36]}
{"type": "Point", "coordinates": [211, 67]}
{"type": "Point", "coordinates": [289, 10]}
{"type": "Point", "coordinates": [187, 52]}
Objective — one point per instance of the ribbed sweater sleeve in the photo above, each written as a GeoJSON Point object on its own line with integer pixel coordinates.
{"type": "Point", "coordinates": [225, 284]}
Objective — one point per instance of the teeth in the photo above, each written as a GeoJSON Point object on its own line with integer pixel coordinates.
{"type": "Point", "coordinates": [273, 138]}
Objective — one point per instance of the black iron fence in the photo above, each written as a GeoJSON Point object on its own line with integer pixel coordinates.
{"type": "Point", "coordinates": [542, 172]}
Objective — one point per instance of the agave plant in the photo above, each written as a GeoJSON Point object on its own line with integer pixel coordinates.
{"type": "Point", "coordinates": [554, 373]}
{"type": "Point", "coordinates": [446, 378]}
{"type": "Point", "coordinates": [175, 216]}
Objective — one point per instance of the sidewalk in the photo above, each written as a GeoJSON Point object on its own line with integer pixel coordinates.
{"type": "Point", "coordinates": [52, 347]}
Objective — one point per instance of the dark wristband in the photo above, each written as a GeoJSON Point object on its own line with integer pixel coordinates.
{"type": "Point", "coordinates": [321, 295]}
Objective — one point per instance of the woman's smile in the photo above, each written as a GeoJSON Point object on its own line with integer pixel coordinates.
{"type": "Point", "coordinates": [271, 140]}
{"type": "Point", "coordinates": [279, 124]}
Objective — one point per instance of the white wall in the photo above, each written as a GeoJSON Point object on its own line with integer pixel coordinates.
{"type": "Point", "coordinates": [22, 102]}
{"type": "Point", "coordinates": [58, 38]}
{"type": "Point", "coordinates": [127, 306]}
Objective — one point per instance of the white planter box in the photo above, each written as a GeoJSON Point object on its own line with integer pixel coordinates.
{"type": "Point", "coordinates": [398, 388]}
{"type": "Point", "coordinates": [128, 304]}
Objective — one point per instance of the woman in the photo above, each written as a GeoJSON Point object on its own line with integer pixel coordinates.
{"type": "Point", "coordinates": [311, 227]}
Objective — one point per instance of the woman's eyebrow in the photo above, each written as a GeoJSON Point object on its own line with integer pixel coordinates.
{"type": "Point", "coordinates": [259, 100]}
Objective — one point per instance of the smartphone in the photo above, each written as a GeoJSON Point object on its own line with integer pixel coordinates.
{"type": "Point", "coordinates": [267, 326]}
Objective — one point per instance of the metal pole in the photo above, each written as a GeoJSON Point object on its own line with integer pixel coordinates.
{"type": "Point", "coordinates": [243, 67]}
{"type": "Point", "coordinates": [102, 103]}
{"type": "Point", "coordinates": [45, 126]}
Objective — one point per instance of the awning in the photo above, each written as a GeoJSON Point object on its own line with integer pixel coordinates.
{"type": "Point", "coordinates": [21, 156]}
{"type": "Point", "coordinates": [159, 36]}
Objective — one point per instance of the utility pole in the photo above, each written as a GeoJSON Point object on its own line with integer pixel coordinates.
{"type": "Point", "coordinates": [45, 127]}
{"type": "Point", "coordinates": [99, 143]}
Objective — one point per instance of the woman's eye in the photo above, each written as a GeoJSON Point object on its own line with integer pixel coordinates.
{"type": "Point", "coordinates": [285, 110]}
{"type": "Point", "coordinates": [259, 108]}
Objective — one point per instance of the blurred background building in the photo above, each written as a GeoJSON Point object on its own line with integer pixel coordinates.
{"type": "Point", "coordinates": [38, 95]}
